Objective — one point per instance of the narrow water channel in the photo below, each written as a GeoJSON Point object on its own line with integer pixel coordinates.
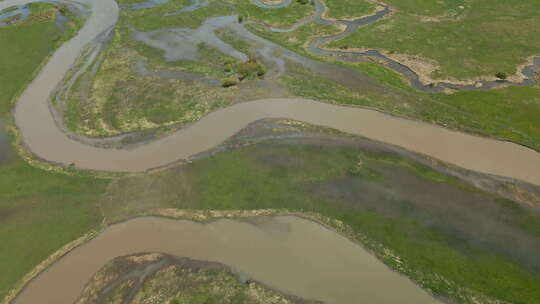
{"type": "Point", "coordinates": [317, 46]}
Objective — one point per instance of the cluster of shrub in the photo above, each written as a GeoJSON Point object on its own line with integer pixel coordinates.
{"type": "Point", "coordinates": [249, 69]}
{"type": "Point", "coordinates": [501, 75]}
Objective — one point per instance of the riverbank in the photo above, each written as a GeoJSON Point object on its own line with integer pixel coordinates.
{"type": "Point", "coordinates": [30, 43]}
{"type": "Point", "coordinates": [505, 113]}
{"type": "Point", "coordinates": [34, 202]}
{"type": "Point", "coordinates": [280, 168]}
{"type": "Point", "coordinates": [276, 240]}
{"type": "Point", "coordinates": [320, 176]}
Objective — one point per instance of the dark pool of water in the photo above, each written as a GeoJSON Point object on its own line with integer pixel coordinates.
{"type": "Point", "coordinates": [4, 144]}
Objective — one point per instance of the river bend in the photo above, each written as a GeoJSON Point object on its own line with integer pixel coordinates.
{"type": "Point", "coordinates": [46, 140]}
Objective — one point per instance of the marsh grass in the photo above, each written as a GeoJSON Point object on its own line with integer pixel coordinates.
{"type": "Point", "coordinates": [120, 100]}
{"type": "Point", "coordinates": [279, 17]}
{"type": "Point", "coordinates": [347, 9]}
{"type": "Point", "coordinates": [39, 211]}
{"type": "Point", "coordinates": [466, 39]}
{"type": "Point", "coordinates": [29, 43]}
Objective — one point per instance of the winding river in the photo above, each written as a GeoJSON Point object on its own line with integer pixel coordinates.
{"type": "Point", "coordinates": [290, 254]}
{"type": "Point", "coordinates": [287, 253]}
{"type": "Point", "coordinates": [45, 139]}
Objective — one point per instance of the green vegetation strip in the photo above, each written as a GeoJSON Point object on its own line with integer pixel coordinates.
{"type": "Point", "coordinates": [348, 9]}
{"type": "Point", "coordinates": [25, 45]}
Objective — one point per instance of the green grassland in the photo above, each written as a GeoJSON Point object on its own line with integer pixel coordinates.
{"type": "Point", "coordinates": [151, 19]}
{"type": "Point", "coordinates": [347, 9]}
{"type": "Point", "coordinates": [39, 211]}
{"type": "Point", "coordinates": [29, 43]}
{"type": "Point", "coordinates": [369, 191]}
{"type": "Point", "coordinates": [465, 39]}
{"type": "Point", "coordinates": [507, 113]}
{"type": "Point", "coordinates": [280, 17]}
{"type": "Point", "coordinates": [119, 100]}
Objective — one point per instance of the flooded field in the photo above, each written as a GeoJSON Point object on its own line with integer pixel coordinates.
{"type": "Point", "coordinates": [290, 254]}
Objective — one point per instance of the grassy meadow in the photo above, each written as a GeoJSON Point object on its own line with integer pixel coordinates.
{"type": "Point", "coordinates": [462, 39]}
{"type": "Point", "coordinates": [39, 211]}
{"type": "Point", "coordinates": [25, 45]}
{"type": "Point", "coordinates": [348, 9]}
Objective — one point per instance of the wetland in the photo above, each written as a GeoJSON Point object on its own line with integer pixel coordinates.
{"type": "Point", "coordinates": [141, 88]}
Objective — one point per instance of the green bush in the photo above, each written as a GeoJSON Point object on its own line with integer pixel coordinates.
{"type": "Point", "coordinates": [501, 75]}
{"type": "Point", "coordinates": [250, 68]}
{"type": "Point", "coordinates": [227, 61]}
{"type": "Point", "coordinates": [228, 82]}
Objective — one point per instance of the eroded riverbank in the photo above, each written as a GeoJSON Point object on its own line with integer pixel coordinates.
{"type": "Point", "coordinates": [290, 254]}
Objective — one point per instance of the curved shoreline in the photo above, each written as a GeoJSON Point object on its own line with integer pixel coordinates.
{"type": "Point", "coordinates": [42, 136]}
{"type": "Point", "coordinates": [277, 239]}
{"type": "Point", "coordinates": [525, 72]}
{"type": "Point", "coordinates": [468, 151]}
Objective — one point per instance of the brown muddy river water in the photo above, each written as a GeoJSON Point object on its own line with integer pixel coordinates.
{"type": "Point", "coordinates": [288, 253]}
{"type": "Point", "coordinates": [43, 137]}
